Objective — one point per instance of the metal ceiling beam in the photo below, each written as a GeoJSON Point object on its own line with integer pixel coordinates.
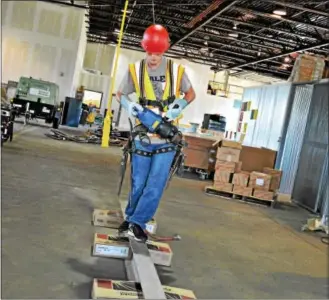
{"type": "Point", "coordinates": [298, 7]}
{"type": "Point", "coordinates": [64, 3]}
{"type": "Point", "coordinates": [288, 43]}
{"type": "Point", "coordinates": [214, 14]}
{"type": "Point", "coordinates": [142, 12]}
{"type": "Point", "coordinates": [239, 41]}
{"type": "Point", "coordinates": [282, 54]}
{"type": "Point", "coordinates": [293, 16]}
{"type": "Point", "coordinates": [263, 28]}
{"type": "Point", "coordinates": [108, 21]}
{"type": "Point", "coordinates": [225, 51]}
{"type": "Point", "coordinates": [223, 44]}
{"type": "Point", "coordinates": [272, 16]}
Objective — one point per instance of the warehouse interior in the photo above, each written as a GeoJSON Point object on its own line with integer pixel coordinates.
{"type": "Point", "coordinates": [245, 216]}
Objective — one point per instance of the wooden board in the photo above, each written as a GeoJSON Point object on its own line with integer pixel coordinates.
{"type": "Point", "coordinates": [209, 190]}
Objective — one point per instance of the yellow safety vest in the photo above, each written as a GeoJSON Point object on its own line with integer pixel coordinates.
{"type": "Point", "coordinates": [143, 84]}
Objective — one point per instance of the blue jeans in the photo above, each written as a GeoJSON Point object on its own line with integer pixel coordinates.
{"type": "Point", "coordinates": [149, 177]}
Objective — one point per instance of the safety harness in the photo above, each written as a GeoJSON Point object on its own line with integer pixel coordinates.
{"type": "Point", "coordinates": [144, 88]}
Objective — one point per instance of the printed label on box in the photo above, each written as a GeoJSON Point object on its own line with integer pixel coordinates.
{"type": "Point", "coordinates": [107, 250]}
{"type": "Point", "coordinates": [259, 181]}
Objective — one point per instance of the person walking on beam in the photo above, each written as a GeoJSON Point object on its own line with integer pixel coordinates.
{"type": "Point", "coordinates": [164, 87]}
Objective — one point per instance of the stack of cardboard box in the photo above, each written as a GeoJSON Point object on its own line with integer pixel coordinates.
{"type": "Point", "coordinates": [265, 184]}
{"type": "Point", "coordinates": [240, 184]}
{"type": "Point", "coordinates": [227, 164]}
{"type": "Point", "coordinates": [229, 176]}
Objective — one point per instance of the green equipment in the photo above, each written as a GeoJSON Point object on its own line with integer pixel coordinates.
{"type": "Point", "coordinates": [37, 99]}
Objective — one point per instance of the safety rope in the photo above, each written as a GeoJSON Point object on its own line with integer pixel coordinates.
{"type": "Point", "coordinates": [153, 11]}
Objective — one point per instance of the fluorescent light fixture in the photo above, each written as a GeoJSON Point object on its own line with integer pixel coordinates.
{"type": "Point", "coordinates": [280, 12]}
{"type": "Point", "coordinates": [233, 34]}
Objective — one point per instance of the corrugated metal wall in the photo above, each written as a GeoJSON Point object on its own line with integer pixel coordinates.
{"type": "Point", "coordinates": [325, 206]}
{"type": "Point", "coordinates": [271, 102]}
{"type": "Point", "coordinates": [293, 140]}
{"type": "Point", "coordinates": [312, 170]}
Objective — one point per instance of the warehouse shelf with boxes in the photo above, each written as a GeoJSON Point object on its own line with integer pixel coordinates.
{"type": "Point", "coordinates": [232, 181]}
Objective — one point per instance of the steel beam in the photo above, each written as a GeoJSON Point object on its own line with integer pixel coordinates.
{"type": "Point", "coordinates": [262, 28]}
{"type": "Point", "coordinates": [282, 54]}
{"type": "Point", "coordinates": [64, 3]}
{"type": "Point", "coordinates": [216, 13]}
{"type": "Point", "coordinates": [239, 41]}
{"type": "Point", "coordinates": [298, 7]}
{"type": "Point", "coordinates": [218, 50]}
{"type": "Point", "coordinates": [143, 268]}
{"type": "Point", "coordinates": [272, 16]}
{"type": "Point", "coordinates": [223, 44]}
{"type": "Point", "coordinates": [141, 12]}
{"type": "Point", "coordinates": [283, 42]}
{"type": "Point", "coordinates": [279, 22]}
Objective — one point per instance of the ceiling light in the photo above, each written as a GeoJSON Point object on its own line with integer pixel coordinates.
{"type": "Point", "coordinates": [206, 43]}
{"type": "Point", "coordinates": [233, 34]}
{"type": "Point", "coordinates": [280, 11]}
{"type": "Point", "coordinates": [287, 59]}
{"type": "Point", "coordinates": [235, 26]}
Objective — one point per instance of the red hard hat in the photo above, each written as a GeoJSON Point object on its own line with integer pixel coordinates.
{"type": "Point", "coordinates": [155, 39]}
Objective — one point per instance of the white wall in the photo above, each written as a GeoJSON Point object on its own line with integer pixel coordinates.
{"type": "Point", "coordinates": [42, 40]}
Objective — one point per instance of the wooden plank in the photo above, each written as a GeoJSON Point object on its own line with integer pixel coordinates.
{"type": "Point", "coordinates": [209, 190]}
{"type": "Point", "coordinates": [142, 267]}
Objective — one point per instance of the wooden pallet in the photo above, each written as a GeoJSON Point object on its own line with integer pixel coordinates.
{"type": "Point", "coordinates": [210, 190]}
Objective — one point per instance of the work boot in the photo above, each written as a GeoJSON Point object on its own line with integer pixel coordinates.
{"type": "Point", "coordinates": [123, 228]}
{"type": "Point", "coordinates": [137, 233]}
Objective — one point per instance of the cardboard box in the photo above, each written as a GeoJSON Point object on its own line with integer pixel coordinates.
{"type": "Point", "coordinates": [224, 187]}
{"type": "Point", "coordinates": [243, 191]}
{"type": "Point", "coordinates": [256, 159]}
{"type": "Point", "coordinates": [259, 181]}
{"type": "Point", "coordinates": [276, 178]}
{"type": "Point", "coordinates": [106, 245]}
{"type": "Point", "coordinates": [238, 167]}
{"type": "Point", "coordinates": [285, 198]}
{"type": "Point", "coordinates": [230, 144]}
{"type": "Point", "coordinates": [265, 195]}
{"type": "Point", "coordinates": [107, 218]}
{"type": "Point", "coordinates": [223, 176]}
{"type": "Point", "coordinates": [228, 154]}
{"type": "Point", "coordinates": [113, 219]}
{"type": "Point", "coordinates": [117, 289]}
{"type": "Point", "coordinates": [241, 179]}
{"type": "Point", "coordinates": [226, 166]}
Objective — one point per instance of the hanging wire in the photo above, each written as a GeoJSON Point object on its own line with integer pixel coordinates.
{"type": "Point", "coordinates": [153, 11]}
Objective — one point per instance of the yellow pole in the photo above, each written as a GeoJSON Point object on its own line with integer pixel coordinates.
{"type": "Point", "coordinates": [108, 117]}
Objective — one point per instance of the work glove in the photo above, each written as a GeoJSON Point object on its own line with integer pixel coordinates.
{"type": "Point", "coordinates": [131, 107]}
{"type": "Point", "coordinates": [176, 108]}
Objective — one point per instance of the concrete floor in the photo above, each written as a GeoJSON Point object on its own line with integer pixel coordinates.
{"type": "Point", "coordinates": [228, 249]}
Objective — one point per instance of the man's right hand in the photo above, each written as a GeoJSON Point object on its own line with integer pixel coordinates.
{"type": "Point", "coordinates": [131, 107]}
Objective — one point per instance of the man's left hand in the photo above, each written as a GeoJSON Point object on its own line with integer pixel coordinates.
{"type": "Point", "coordinates": [176, 108]}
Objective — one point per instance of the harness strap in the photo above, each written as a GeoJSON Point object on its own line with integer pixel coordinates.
{"type": "Point", "coordinates": [171, 78]}
{"type": "Point", "coordinates": [141, 78]}
{"type": "Point", "coordinates": [159, 104]}
{"type": "Point", "coordinates": [155, 152]}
